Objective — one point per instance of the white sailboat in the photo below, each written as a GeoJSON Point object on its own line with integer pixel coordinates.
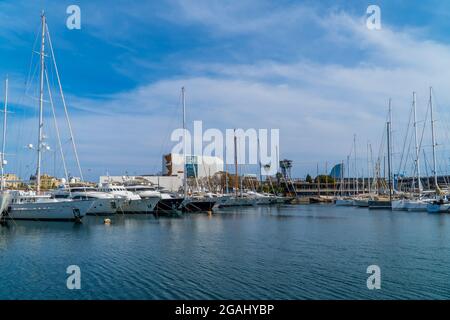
{"type": "Point", "coordinates": [419, 204]}
{"type": "Point", "coordinates": [441, 203]}
{"type": "Point", "coordinates": [35, 205]}
{"type": "Point", "coordinates": [240, 198]}
{"type": "Point", "coordinates": [195, 202]}
{"type": "Point", "coordinates": [4, 194]}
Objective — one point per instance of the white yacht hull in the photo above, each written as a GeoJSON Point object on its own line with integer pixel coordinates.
{"type": "Point", "coordinates": [221, 201]}
{"type": "Point", "coordinates": [410, 205]}
{"type": "Point", "coordinates": [399, 205]}
{"type": "Point", "coordinates": [362, 203]}
{"type": "Point", "coordinates": [138, 206]}
{"type": "Point", "coordinates": [238, 202]}
{"type": "Point", "coordinates": [103, 207]}
{"type": "Point", "coordinates": [5, 198]}
{"type": "Point", "coordinates": [50, 211]}
{"type": "Point", "coordinates": [344, 202]}
{"type": "Point", "coordinates": [264, 201]}
{"type": "Point", "coordinates": [417, 206]}
{"type": "Point", "coordinates": [280, 200]}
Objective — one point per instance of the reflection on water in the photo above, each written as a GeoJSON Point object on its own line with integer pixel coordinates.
{"type": "Point", "coordinates": [287, 252]}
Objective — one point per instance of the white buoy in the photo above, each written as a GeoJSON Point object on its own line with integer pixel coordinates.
{"type": "Point", "coordinates": [107, 221]}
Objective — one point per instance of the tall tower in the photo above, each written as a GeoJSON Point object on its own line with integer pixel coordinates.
{"type": "Point", "coordinates": [286, 166]}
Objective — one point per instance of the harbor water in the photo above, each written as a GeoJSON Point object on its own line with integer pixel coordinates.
{"type": "Point", "coordinates": [285, 252]}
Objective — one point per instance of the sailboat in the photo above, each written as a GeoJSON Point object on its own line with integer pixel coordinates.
{"type": "Point", "coordinates": [420, 203]}
{"type": "Point", "coordinates": [344, 200]}
{"type": "Point", "coordinates": [383, 203]}
{"type": "Point", "coordinates": [196, 202]}
{"type": "Point", "coordinates": [441, 203]}
{"type": "Point", "coordinates": [240, 198]}
{"type": "Point", "coordinates": [4, 194]}
{"type": "Point", "coordinates": [403, 204]}
{"type": "Point", "coordinates": [34, 205]}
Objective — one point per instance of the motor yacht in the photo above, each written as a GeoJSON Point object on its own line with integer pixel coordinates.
{"type": "Point", "coordinates": [132, 202]}
{"type": "Point", "coordinates": [103, 203]}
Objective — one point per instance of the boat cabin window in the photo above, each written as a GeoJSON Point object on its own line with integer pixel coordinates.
{"type": "Point", "coordinates": [83, 198]}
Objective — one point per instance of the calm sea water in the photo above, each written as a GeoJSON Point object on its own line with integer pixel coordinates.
{"type": "Point", "coordinates": [287, 252]}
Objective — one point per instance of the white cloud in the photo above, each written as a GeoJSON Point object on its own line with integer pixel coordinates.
{"type": "Point", "coordinates": [317, 105]}
{"type": "Point", "coordinates": [243, 17]}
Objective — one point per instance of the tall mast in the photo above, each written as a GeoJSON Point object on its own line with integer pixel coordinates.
{"type": "Point", "coordinates": [41, 107]}
{"type": "Point", "coordinates": [368, 166]}
{"type": "Point", "coordinates": [417, 144]}
{"type": "Point", "coordinates": [318, 179]}
{"type": "Point", "coordinates": [373, 169]}
{"type": "Point", "coordinates": [389, 145]}
{"type": "Point", "coordinates": [348, 175]}
{"type": "Point", "coordinates": [388, 128]}
{"type": "Point", "coordinates": [342, 178]}
{"type": "Point", "coordinates": [226, 178]}
{"type": "Point", "coordinates": [356, 170]}
{"type": "Point", "coordinates": [184, 143]}
{"type": "Point", "coordinates": [5, 110]}
{"type": "Point", "coordinates": [236, 177]}
{"type": "Point", "coordinates": [433, 140]}
{"type": "Point", "coordinates": [260, 166]}
{"type": "Point", "coordinates": [390, 162]}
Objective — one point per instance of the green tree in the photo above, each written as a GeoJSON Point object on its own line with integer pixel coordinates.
{"type": "Point", "coordinates": [308, 178]}
{"type": "Point", "coordinates": [324, 179]}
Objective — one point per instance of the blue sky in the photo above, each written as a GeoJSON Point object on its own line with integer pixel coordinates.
{"type": "Point", "coordinates": [310, 68]}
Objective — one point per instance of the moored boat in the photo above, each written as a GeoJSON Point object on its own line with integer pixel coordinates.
{"type": "Point", "coordinates": [35, 205]}
{"type": "Point", "coordinates": [344, 202]}
{"type": "Point", "coordinates": [29, 206]}
{"type": "Point", "coordinates": [131, 202]}
{"type": "Point", "coordinates": [361, 203]}
{"type": "Point", "coordinates": [103, 203]}
{"type": "Point", "coordinates": [165, 202]}
{"type": "Point", "coordinates": [379, 204]}
{"type": "Point", "coordinates": [198, 204]}
{"type": "Point", "coordinates": [441, 205]}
